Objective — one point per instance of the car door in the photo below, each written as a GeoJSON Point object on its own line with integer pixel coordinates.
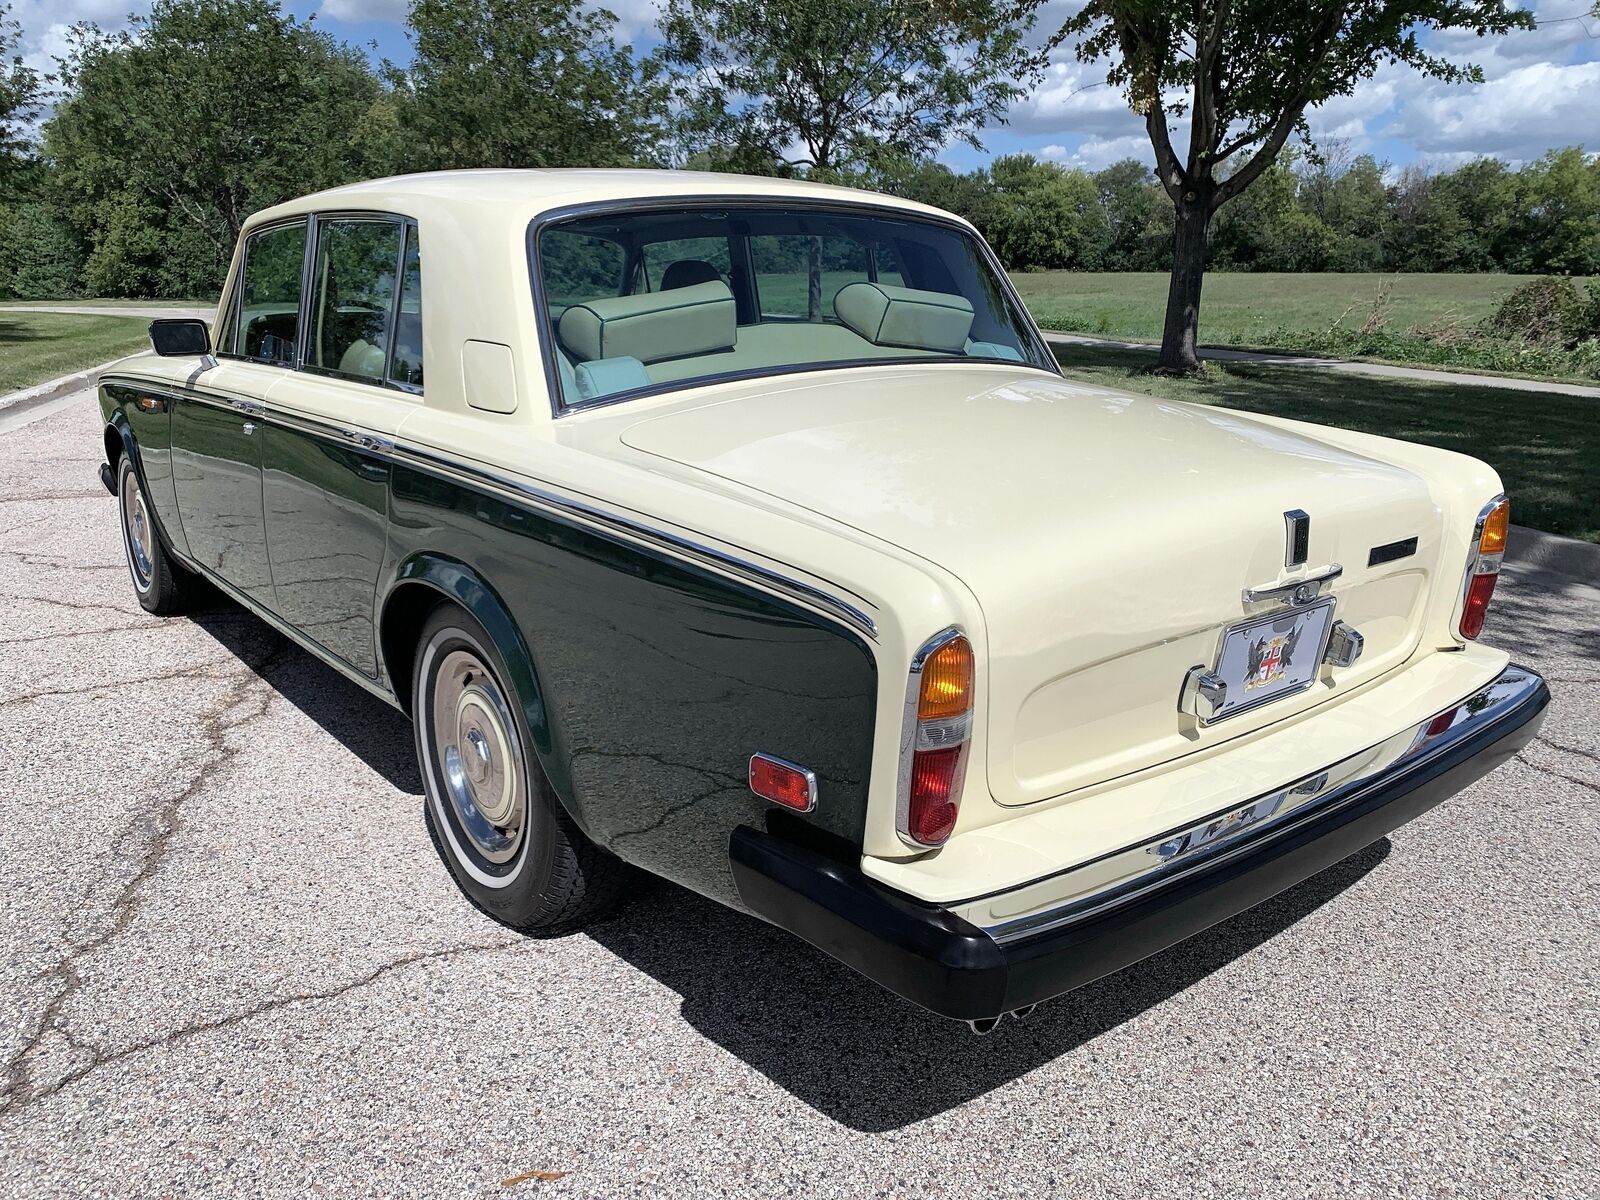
{"type": "Point", "coordinates": [325, 480]}
{"type": "Point", "coordinates": [218, 426]}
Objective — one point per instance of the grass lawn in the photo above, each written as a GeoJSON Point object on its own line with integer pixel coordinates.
{"type": "Point", "coordinates": [1545, 446]}
{"type": "Point", "coordinates": [35, 347]}
{"type": "Point", "coordinates": [1241, 309]}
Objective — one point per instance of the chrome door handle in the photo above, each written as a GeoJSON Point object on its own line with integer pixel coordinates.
{"type": "Point", "coordinates": [253, 408]}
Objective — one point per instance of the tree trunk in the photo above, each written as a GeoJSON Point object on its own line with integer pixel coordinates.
{"type": "Point", "coordinates": [1183, 291]}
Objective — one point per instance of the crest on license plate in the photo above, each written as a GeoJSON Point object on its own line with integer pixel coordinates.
{"type": "Point", "coordinates": [1269, 658]}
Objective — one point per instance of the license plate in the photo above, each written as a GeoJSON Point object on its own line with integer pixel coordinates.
{"type": "Point", "coordinates": [1267, 658]}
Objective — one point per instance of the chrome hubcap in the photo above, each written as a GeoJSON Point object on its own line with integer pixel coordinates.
{"type": "Point", "coordinates": [137, 531]}
{"type": "Point", "coordinates": [478, 756]}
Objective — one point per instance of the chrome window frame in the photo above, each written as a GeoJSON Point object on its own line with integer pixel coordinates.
{"type": "Point", "coordinates": [548, 348]}
{"type": "Point", "coordinates": [233, 297]}
{"type": "Point", "coordinates": [233, 309]}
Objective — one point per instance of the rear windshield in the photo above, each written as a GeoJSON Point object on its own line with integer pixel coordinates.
{"type": "Point", "coordinates": [640, 302]}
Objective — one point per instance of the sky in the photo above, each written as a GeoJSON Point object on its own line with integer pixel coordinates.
{"type": "Point", "coordinates": [1541, 88]}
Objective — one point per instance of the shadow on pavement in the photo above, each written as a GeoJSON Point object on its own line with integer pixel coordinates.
{"type": "Point", "coordinates": [836, 1041]}
{"type": "Point", "coordinates": [370, 729]}
{"type": "Point", "coordinates": [868, 1059]}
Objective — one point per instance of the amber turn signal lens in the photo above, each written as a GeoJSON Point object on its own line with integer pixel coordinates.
{"type": "Point", "coordinates": [1495, 528]}
{"type": "Point", "coordinates": [946, 682]}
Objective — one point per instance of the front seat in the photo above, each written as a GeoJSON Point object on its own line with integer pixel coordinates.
{"type": "Point", "coordinates": [687, 272]}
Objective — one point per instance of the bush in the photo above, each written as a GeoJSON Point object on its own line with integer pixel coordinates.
{"type": "Point", "coordinates": [1546, 312]}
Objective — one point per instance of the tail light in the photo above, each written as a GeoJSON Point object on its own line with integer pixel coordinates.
{"type": "Point", "coordinates": [933, 752]}
{"type": "Point", "coordinates": [1483, 566]}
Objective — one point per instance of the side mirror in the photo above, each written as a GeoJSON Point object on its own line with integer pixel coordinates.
{"type": "Point", "coordinates": [180, 337]}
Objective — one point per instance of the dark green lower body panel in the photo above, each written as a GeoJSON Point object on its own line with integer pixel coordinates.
{"type": "Point", "coordinates": [657, 681]}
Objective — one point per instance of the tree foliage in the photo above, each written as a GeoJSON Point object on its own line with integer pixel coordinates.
{"type": "Point", "coordinates": [836, 85]}
{"type": "Point", "coordinates": [1244, 72]}
{"type": "Point", "coordinates": [524, 83]}
{"type": "Point", "coordinates": [19, 101]}
{"type": "Point", "coordinates": [171, 134]}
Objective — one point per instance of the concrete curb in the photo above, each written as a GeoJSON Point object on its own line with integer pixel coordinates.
{"type": "Point", "coordinates": [53, 389]}
{"type": "Point", "coordinates": [1578, 561]}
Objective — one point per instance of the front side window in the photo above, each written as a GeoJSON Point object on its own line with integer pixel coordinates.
{"type": "Point", "coordinates": [643, 301]}
{"type": "Point", "coordinates": [269, 296]}
{"type": "Point", "coordinates": [354, 282]}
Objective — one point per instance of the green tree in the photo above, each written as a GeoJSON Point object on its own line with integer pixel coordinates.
{"type": "Point", "coordinates": [1138, 218]}
{"type": "Point", "coordinates": [170, 135]}
{"type": "Point", "coordinates": [1045, 216]}
{"type": "Point", "coordinates": [833, 85]}
{"type": "Point", "coordinates": [19, 101]}
{"type": "Point", "coordinates": [1558, 213]}
{"type": "Point", "coordinates": [1244, 72]}
{"type": "Point", "coordinates": [525, 83]}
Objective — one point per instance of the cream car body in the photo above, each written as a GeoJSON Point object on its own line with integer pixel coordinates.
{"type": "Point", "coordinates": [1091, 546]}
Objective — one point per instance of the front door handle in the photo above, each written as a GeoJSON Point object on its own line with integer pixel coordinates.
{"type": "Point", "coordinates": [252, 408]}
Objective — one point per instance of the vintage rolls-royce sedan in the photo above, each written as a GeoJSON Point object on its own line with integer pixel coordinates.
{"type": "Point", "coordinates": [745, 531]}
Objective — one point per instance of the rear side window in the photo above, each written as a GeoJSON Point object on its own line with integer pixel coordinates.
{"type": "Point", "coordinates": [355, 281]}
{"type": "Point", "coordinates": [269, 299]}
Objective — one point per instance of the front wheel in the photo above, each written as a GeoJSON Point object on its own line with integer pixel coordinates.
{"type": "Point", "coordinates": [160, 583]}
{"type": "Point", "coordinates": [502, 833]}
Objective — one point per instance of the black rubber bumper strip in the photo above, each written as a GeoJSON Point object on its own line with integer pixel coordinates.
{"type": "Point", "coordinates": [949, 965]}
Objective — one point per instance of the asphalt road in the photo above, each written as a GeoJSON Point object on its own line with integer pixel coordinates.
{"type": "Point", "coordinates": [232, 965]}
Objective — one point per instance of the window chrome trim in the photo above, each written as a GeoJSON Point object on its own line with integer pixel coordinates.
{"type": "Point", "coordinates": [544, 499]}
{"type": "Point", "coordinates": [236, 289]}
{"type": "Point", "coordinates": [547, 339]}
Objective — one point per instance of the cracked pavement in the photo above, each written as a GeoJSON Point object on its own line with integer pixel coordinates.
{"type": "Point", "coordinates": [233, 965]}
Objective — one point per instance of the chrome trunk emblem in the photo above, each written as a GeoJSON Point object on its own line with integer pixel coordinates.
{"type": "Point", "coordinates": [1297, 537]}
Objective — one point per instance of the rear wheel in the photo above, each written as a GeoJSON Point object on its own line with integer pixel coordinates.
{"type": "Point", "coordinates": [502, 833]}
{"type": "Point", "coordinates": [160, 583]}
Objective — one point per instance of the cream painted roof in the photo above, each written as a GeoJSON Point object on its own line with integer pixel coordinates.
{"type": "Point", "coordinates": [520, 195]}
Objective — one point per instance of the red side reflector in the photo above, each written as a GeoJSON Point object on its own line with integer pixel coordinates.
{"type": "Point", "coordinates": [1479, 592]}
{"type": "Point", "coordinates": [783, 782]}
{"type": "Point", "coordinates": [935, 794]}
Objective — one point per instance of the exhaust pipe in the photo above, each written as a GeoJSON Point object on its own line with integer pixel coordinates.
{"type": "Point", "coordinates": [1021, 1014]}
{"type": "Point", "coordinates": [983, 1025]}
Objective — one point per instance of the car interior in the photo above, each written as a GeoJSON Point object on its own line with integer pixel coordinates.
{"type": "Point", "coordinates": [641, 300]}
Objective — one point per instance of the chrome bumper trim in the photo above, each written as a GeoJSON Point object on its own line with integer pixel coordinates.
{"type": "Point", "coordinates": [1123, 875]}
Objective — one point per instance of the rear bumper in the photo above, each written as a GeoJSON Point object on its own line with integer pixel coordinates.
{"type": "Point", "coordinates": [1177, 885]}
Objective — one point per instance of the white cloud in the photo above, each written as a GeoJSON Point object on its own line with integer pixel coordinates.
{"type": "Point", "coordinates": [364, 10]}
{"type": "Point", "coordinates": [1518, 115]}
{"type": "Point", "coordinates": [1097, 153]}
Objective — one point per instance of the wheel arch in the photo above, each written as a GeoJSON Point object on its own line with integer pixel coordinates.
{"type": "Point", "coordinates": [427, 579]}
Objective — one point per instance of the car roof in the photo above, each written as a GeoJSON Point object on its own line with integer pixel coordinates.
{"type": "Point", "coordinates": [521, 195]}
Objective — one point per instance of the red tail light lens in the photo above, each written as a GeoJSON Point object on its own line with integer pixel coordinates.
{"type": "Point", "coordinates": [939, 728]}
{"type": "Point", "coordinates": [1473, 613]}
{"type": "Point", "coordinates": [935, 794]}
{"type": "Point", "coordinates": [1483, 567]}
{"type": "Point", "coordinates": [782, 782]}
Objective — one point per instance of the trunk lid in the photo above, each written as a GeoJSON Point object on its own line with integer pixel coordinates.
{"type": "Point", "coordinates": [1107, 539]}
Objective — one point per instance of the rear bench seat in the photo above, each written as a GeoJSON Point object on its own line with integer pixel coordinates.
{"type": "Point", "coordinates": [625, 342]}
